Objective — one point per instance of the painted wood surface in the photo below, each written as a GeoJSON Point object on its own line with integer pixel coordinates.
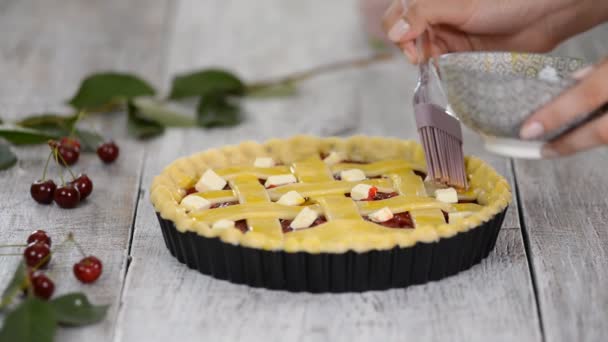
{"type": "Point", "coordinates": [565, 213]}
{"type": "Point", "coordinates": [47, 47]}
{"type": "Point", "coordinates": [483, 303]}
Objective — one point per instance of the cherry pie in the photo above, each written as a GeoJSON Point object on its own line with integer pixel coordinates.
{"type": "Point", "coordinates": [304, 203]}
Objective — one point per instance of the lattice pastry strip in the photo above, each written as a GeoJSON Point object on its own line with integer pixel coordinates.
{"type": "Point", "coordinates": [339, 208]}
{"type": "Point", "coordinates": [378, 168]}
{"type": "Point", "coordinates": [316, 182]}
{"type": "Point", "coordinates": [327, 188]}
{"type": "Point", "coordinates": [406, 182]}
{"type": "Point", "coordinates": [249, 191]}
{"type": "Point", "coordinates": [429, 216]}
{"type": "Point", "coordinates": [312, 170]}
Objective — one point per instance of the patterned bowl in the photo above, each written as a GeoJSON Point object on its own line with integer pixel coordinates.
{"type": "Point", "coordinates": [494, 92]}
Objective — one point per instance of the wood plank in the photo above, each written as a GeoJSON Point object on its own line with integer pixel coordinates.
{"type": "Point", "coordinates": [47, 47]}
{"type": "Point", "coordinates": [491, 301]}
{"type": "Point", "coordinates": [564, 210]}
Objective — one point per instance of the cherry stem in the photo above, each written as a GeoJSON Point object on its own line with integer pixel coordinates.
{"type": "Point", "coordinates": [78, 246]}
{"type": "Point", "coordinates": [318, 70]}
{"type": "Point", "coordinates": [46, 166]}
{"type": "Point", "coordinates": [42, 261]}
{"type": "Point", "coordinates": [66, 166]}
{"type": "Point", "coordinates": [79, 117]}
{"type": "Point", "coordinates": [55, 152]}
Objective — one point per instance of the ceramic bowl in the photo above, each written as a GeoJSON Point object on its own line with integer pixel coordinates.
{"type": "Point", "coordinates": [493, 93]}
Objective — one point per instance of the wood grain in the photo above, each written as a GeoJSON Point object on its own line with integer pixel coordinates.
{"type": "Point", "coordinates": [486, 302]}
{"type": "Point", "coordinates": [47, 47]}
{"type": "Point", "coordinates": [564, 210]}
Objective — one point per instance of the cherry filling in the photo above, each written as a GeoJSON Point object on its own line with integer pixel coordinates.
{"type": "Point", "coordinates": [377, 196]}
{"type": "Point", "coordinates": [384, 195]}
{"type": "Point", "coordinates": [286, 224]}
{"type": "Point", "coordinates": [241, 225]}
{"type": "Point", "coordinates": [222, 205]}
{"type": "Point", "coordinates": [193, 190]}
{"type": "Point", "coordinates": [400, 220]}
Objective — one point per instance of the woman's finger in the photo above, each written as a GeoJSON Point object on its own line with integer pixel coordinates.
{"type": "Point", "coordinates": [590, 94]}
{"type": "Point", "coordinates": [393, 24]}
{"type": "Point", "coordinates": [409, 49]}
{"type": "Point", "coordinates": [590, 135]}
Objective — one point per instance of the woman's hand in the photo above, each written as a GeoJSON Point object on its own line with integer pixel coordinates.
{"type": "Point", "coordinates": [511, 25]}
{"type": "Point", "coordinates": [590, 94]}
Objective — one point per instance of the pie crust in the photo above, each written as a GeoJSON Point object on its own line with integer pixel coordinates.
{"type": "Point", "coordinates": [345, 229]}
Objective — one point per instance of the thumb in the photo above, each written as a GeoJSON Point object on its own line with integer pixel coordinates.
{"type": "Point", "coordinates": [421, 14]}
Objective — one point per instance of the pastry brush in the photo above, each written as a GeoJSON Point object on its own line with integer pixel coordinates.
{"type": "Point", "coordinates": [440, 132]}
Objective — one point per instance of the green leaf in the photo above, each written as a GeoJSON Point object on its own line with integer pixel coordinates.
{"type": "Point", "coordinates": [142, 128]}
{"type": "Point", "coordinates": [32, 321]}
{"type": "Point", "coordinates": [216, 111]}
{"type": "Point", "coordinates": [89, 140]}
{"type": "Point", "coordinates": [15, 285]}
{"type": "Point", "coordinates": [211, 81]}
{"type": "Point", "coordinates": [75, 309]}
{"type": "Point", "coordinates": [24, 136]}
{"type": "Point", "coordinates": [7, 157]}
{"type": "Point", "coordinates": [106, 88]}
{"type": "Point", "coordinates": [272, 90]}
{"type": "Point", "coordinates": [48, 120]}
{"type": "Point", "coordinates": [162, 113]}
{"type": "Point", "coordinates": [52, 124]}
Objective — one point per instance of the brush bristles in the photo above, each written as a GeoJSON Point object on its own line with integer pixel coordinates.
{"type": "Point", "coordinates": [444, 157]}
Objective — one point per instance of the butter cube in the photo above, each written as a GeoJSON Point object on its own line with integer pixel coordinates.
{"type": "Point", "coordinates": [223, 224]}
{"type": "Point", "coordinates": [210, 181]}
{"type": "Point", "coordinates": [334, 158]}
{"type": "Point", "coordinates": [280, 180]}
{"type": "Point", "coordinates": [195, 203]}
{"type": "Point", "coordinates": [291, 198]}
{"type": "Point", "coordinates": [304, 219]}
{"type": "Point", "coordinates": [263, 162]}
{"type": "Point", "coordinates": [352, 175]}
{"type": "Point", "coordinates": [360, 192]}
{"type": "Point", "coordinates": [448, 195]}
{"type": "Point", "coordinates": [381, 215]}
{"type": "Point", "coordinates": [458, 216]}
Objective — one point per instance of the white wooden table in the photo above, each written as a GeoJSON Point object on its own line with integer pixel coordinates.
{"type": "Point", "coordinates": [545, 281]}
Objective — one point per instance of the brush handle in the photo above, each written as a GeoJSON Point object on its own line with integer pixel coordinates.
{"type": "Point", "coordinates": [429, 88]}
{"type": "Point", "coordinates": [421, 93]}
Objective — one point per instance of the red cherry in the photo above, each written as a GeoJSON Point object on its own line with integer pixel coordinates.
{"type": "Point", "coordinates": [42, 191]}
{"type": "Point", "coordinates": [88, 269]}
{"type": "Point", "coordinates": [67, 196]}
{"type": "Point", "coordinates": [37, 254]}
{"type": "Point", "coordinates": [68, 141]}
{"type": "Point", "coordinates": [108, 152]}
{"type": "Point", "coordinates": [371, 194]}
{"type": "Point", "coordinates": [84, 185]}
{"type": "Point", "coordinates": [69, 154]}
{"type": "Point", "coordinates": [39, 236]}
{"type": "Point", "coordinates": [42, 286]}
